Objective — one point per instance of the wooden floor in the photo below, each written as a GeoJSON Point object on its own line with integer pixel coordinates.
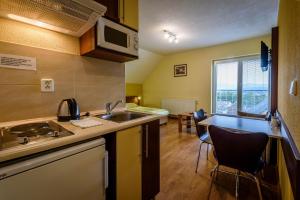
{"type": "Point", "coordinates": [179, 180]}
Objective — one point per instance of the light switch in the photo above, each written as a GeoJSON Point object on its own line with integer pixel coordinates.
{"type": "Point", "coordinates": [47, 85]}
{"type": "Point", "coordinates": [293, 88]}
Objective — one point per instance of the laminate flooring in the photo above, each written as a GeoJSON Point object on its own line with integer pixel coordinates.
{"type": "Point", "coordinates": [179, 180]}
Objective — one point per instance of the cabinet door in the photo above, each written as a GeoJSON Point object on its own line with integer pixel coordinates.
{"type": "Point", "coordinates": [150, 160]}
{"type": "Point", "coordinates": [112, 11]}
{"type": "Point", "coordinates": [129, 164]}
{"type": "Point", "coordinates": [79, 176]}
{"type": "Point", "coordinates": [129, 13]}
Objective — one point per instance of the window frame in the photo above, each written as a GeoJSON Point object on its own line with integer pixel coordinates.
{"type": "Point", "coordinates": [240, 60]}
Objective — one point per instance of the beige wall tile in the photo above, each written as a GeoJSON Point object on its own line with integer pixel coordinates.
{"type": "Point", "coordinates": [93, 82]}
{"type": "Point", "coordinates": [91, 97]}
{"type": "Point", "coordinates": [92, 71]}
{"type": "Point", "coordinates": [26, 101]}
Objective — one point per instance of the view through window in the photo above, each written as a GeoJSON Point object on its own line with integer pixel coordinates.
{"type": "Point", "coordinates": [240, 86]}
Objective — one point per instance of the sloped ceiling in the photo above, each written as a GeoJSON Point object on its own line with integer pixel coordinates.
{"type": "Point", "coordinates": [202, 23]}
{"type": "Point", "coordinates": [137, 71]}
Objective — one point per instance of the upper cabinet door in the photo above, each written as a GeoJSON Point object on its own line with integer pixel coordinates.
{"type": "Point", "coordinates": [129, 13]}
{"type": "Point", "coordinates": [112, 9]}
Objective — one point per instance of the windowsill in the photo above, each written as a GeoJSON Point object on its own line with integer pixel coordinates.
{"type": "Point", "coordinates": [240, 116]}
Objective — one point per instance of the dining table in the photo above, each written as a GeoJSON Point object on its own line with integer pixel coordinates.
{"type": "Point", "coordinates": [246, 124]}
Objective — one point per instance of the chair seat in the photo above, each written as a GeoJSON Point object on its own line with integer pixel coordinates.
{"type": "Point", "coordinates": [205, 138]}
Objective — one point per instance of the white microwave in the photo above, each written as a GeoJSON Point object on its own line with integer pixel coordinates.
{"type": "Point", "coordinates": [114, 36]}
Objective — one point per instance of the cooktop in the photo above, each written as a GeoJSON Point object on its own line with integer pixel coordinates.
{"type": "Point", "coordinates": [30, 133]}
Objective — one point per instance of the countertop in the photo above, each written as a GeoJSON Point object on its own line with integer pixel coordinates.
{"type": "Point", "coordinates": [79, 134]}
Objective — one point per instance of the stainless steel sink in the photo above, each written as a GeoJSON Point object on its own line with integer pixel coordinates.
{"type": "Point", "coordinates": [122, 116]}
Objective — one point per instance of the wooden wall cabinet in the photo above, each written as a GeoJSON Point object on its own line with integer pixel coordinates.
{"type": "Point", "coordinates": [123, 11]}
{"type": "Point", "coordinates": [120, 11]}
{"type": "Point", "coordinates": [129, 13]}
{"type": "Point", "coordinates": [112, 11]}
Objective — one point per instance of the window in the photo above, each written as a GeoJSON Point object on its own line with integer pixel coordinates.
{"type": "Point", "coordinates": [240, 86]}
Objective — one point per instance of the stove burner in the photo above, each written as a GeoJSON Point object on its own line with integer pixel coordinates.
{"type": "Point", "coordinates": [31, 130]}
{"type": "Point", "coordinates": [31, 133]}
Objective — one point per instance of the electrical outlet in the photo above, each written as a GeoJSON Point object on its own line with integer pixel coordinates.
{"type": "Point", "coordinates": [47, 85]}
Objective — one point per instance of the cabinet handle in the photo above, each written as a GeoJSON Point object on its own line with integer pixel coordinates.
{"type": "Point", "coordinates": [141, 143]}
{"type": "Point", "coordinates": [123, 11]}
{"type": "Point", "coordinates": [105, 170]}
{"type": "Point", "coordinates": [128, 40]}
{"type": "Point", "coordinates": [147, 141]}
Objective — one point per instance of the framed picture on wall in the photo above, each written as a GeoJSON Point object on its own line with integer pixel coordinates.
{"type": "Point", "coordinates": [180, 70]}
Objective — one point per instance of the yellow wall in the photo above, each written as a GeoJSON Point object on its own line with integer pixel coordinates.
{"type": "Point", "coordinates": [289, 65]}
{"type": "Point", "coordinates": [25, 34]}
{"type": "Point", "coordinates": [161, 84]}
{"type": "Point", "coordinates": [134, 89]}
{"type": "Point", "coordinates": [284, 181]}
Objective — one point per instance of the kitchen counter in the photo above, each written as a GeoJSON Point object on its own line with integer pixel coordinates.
{"type": "Point", "coordinates": [79, 134]}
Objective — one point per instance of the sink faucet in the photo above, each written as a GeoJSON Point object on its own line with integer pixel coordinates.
{"type": "Point", "coordinates": [109, 108]}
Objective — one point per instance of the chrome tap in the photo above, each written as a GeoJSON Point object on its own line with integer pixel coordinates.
{"type": "Point", "coordinates": [109, 108]}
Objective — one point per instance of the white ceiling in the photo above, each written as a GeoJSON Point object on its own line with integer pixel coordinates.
{"type": "Point", "coordinates": [201, 23]}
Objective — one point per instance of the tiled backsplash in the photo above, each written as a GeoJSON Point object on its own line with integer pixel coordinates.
{"type": "Point", "coordinates": [91, 81]}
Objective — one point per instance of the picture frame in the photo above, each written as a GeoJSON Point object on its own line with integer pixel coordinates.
{"type": "Point", "coordinates": [180, 70]}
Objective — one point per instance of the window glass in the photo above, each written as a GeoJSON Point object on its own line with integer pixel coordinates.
{"type": "Point", "coordinates": [226, 88]}
{"type": "Point", "coordinates": [240, 86]}
{"type": "Point", "coordinates": [255, 91]}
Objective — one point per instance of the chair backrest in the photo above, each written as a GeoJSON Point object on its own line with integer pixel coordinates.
{"type": "Point", "coordinates": [199, 116]}
{"type": "Point", "coordinates": [239, 150]}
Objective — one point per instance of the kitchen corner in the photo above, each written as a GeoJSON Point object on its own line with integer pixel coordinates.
{"type": "Point", "coordinates": [51, 59]}
{"type": "Point", "coordinates": [112, 147]}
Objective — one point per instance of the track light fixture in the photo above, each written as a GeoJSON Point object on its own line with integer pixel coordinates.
{"type": "Point", "coordinates": [171, 37]}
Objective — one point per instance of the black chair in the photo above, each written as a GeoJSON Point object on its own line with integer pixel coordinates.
{"type": "Point", "coordinates": [241, 151]}
{"type": "Point", "coordinates": [201, 132]}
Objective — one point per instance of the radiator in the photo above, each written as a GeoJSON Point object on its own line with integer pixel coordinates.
{"type": "Point", "coordinates": [177, 106]}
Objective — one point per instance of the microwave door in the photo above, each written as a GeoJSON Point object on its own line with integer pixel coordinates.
{"type": "Point", "coordinates": [113, 36]}
{"type": "Point", "coordinates": [114, 39]}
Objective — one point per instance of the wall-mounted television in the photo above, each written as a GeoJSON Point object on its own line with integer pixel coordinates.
{"type": "Point", "coordinates": [265, 56]}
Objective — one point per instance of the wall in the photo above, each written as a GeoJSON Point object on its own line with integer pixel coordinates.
{"type": "Point", "coordinates": [138, 70]}
{"type": "Point", "coordinates": [284, 181]}
{"type": "Point", "coordinates": [93, 82]}
{"type": "Point", "coordinates": [197, 84]}
{"type": "Point", "coordinates": [289, 65]}
{"type": "Point", "coordinates": [289, 69]}
{"type": "Point", "coordinates": [134, 89]}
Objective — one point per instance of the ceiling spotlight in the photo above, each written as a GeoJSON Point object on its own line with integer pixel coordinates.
{"type": "Point", "coordinates": [166, 35]}
{"type": "Point", "coordinates": [172, 37]}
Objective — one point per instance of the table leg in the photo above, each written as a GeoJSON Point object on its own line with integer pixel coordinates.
{"type": "Point", "coordinates": [180, 124]}
{"type": "Point", "coordinates": [189, 123]}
